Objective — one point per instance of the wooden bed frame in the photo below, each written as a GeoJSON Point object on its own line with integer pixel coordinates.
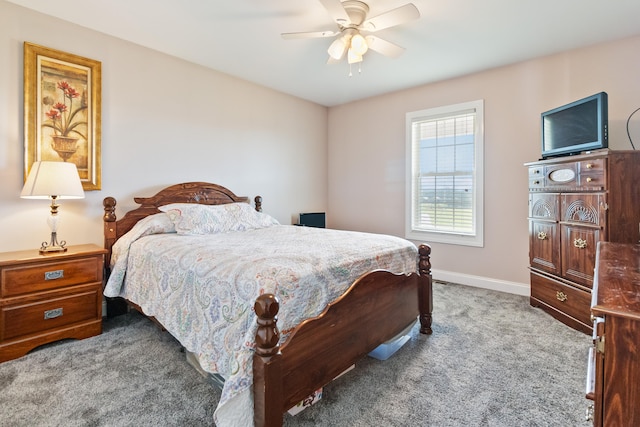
{"type": "Point", "coordinates": [377, 307]}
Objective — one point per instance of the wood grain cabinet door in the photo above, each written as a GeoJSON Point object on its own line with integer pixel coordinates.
{"type": "Point", "coordinates": [544, 238]}
{"type": "Point", "coordinates": [544, 246]}
{"type": "Point", "coordinates": [583, 219]}
{"type": "Point", "coordinates": [579, 253]}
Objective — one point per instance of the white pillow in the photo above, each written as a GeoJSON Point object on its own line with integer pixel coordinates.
{"type": "Point", "coordinates": [159, 223]}
{"type": "Point", "coordinates": [193, 218]}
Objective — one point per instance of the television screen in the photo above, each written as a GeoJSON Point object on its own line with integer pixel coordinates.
{"type": "Point", "coordinates": [315, 219]}
{"type": "Point", "coordinates": [575, 127]}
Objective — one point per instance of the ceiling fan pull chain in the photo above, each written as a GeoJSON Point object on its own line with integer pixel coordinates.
{"type": "Point", "coordinates": [350, 73]}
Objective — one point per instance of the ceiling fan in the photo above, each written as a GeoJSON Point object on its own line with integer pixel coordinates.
{"type": "Point", "coordinates": [352, 20]}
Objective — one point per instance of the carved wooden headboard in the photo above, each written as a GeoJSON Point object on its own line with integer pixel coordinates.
{"type": "Point", "coordinates": [203, 193]}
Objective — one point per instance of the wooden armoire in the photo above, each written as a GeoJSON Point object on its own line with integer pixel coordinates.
{"type": "Point", "coordinates": [575, 202]}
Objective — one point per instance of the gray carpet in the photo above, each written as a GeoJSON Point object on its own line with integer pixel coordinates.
{"type": "Point", "coordinates": [491, 361]}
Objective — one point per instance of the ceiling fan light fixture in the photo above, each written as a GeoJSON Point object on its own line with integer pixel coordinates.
{"type": "Point", "coordinates": [353, 57]}
{"type": "Point", "coordinates": [337, 48]}
{"type": "Point", "coordinates": [351, 17]}
{"type": "Point", "coordinates": [359, 45]}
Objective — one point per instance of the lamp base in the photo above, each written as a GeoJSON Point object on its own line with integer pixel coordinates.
{"type": "Point", "coordinates": [53, 245]}
{"type": "Point", "coordinates": [50, 249]}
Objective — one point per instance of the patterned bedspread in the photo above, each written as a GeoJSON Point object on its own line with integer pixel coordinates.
{"type": "Point", "coordinates": [202, 287]}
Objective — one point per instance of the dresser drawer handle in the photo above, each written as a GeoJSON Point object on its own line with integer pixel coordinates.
{"type": "Point", "coordinates": [589, 179]}
{"type": "Point", "coordinates": [52, 275]}
{"type": "Point", "coordinates": [589, 165]}
{"type": "Point", "coordinates": [52, 314]}
{"type": "Point", "coordinates": [542, 235]}
{"type": "Point", "coordinates": [589, 414]}
{"type": "Point", "coordinates": [561, 296]}
{"type": "Point", "coordinates": [580, 243]}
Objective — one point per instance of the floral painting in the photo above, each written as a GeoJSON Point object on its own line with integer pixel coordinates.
{"type": "Point", "coordinates": [62, 111]}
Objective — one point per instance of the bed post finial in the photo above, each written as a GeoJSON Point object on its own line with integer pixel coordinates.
{"type": "Point", "coordinates": [424, 262]}
{"type": "Point", "coordinates": [258, 200]}
{"type": "Point", "coordinates": [109, 204]}
{"type": "Point", "coordinates": [425, 289]}
{"type": "Point", "coordinates": [267, 336]}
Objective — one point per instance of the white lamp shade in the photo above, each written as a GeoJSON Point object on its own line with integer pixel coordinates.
{"type": "Point", "coordinates": [48, 179]}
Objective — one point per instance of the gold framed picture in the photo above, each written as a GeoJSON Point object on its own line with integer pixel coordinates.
{"type": "Point", "coordinates": [62, 97]}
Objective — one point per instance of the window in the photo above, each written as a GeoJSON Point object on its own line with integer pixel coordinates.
{"type": "Point", "coordinates": [444, 191]}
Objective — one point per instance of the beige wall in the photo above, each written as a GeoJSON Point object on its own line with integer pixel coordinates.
{"type": "Point", "coordinates": [164, 121]}
{"type": "Point", "coordinates": [367, 151]}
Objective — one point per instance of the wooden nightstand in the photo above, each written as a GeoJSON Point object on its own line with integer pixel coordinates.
{"type": "Point", "coordinates": [48, 297]}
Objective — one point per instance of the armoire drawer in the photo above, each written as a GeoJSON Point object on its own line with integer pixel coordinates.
{"type": "Point", "coordinates": [591, 174]}
{"type": "Point", "coordinates": [569, 175]}
{"type": "Point", "coordinates": [567, 299]}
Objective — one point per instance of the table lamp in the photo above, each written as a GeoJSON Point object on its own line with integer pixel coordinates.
{"type": "Point", "coordinates": [54, 180]}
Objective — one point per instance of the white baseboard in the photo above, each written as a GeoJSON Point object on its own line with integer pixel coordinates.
{"type": "Point", "coordinates": [482, 282]}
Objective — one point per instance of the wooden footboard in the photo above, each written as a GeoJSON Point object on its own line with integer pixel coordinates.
{"type": "Point", "coordinates": [376, 308]}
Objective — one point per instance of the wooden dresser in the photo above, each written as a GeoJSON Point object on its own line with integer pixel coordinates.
{"type": "Point", "coordinates": [574, 203]}
{"type": "Point", "coordinates": [48, 297]}
{"type": "Point", "coordinates": [613, 377]}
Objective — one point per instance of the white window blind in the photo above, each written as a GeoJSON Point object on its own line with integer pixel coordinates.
{"type": "Point", "coordinates": [444, 186]}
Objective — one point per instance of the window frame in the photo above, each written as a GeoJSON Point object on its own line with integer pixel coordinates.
{"type": "Point", "coordinates": [475, 239]}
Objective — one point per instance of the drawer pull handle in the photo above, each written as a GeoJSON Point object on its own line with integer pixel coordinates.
{"type": "Point", "coordinates": [589, 179]}
{"type": "Point", "coordinates": [589, 165]}
{"type": "Point", "coordinates": [542, 235]}
{"type": "Point", "coordinates": [561, 296]}
{"type": "Point", "coordinates": [536, 182]}
{"type": "Point", "coordinates": [53, 275]}
{"type": "Point", "coordinates": [52, 314]}
{"type": "Point", "coordinates": [589, 413]}
{"type": "Point", "coordinates": [580, 243]}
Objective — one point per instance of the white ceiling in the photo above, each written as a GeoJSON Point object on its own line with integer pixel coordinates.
{"type": "Point", "coordinates": [452, 37]}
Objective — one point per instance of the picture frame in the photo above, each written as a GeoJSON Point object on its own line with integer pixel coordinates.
{"type": "Point", "coordinates": [62, 111]}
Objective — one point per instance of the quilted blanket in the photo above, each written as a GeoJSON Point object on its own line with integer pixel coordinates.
{"type": "Point", "coordinates": [202, 287]}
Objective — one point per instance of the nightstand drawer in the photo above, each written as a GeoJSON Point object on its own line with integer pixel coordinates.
{"type": "Point", "coordinates": [28, 318]}
{"type": "Point", "coordinates": [28, 278]}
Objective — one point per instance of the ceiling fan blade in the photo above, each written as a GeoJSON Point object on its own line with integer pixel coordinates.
{"type": "Point", "coordinates": [394, 17]}
{"type": "Point", "coordinates": [310, 35]}
{"type": "Point", "coordinates": [336, 11]}
{"type": "Point", "coordinates": [384, 47]}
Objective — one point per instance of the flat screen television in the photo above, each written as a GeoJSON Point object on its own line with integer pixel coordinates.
{"type": "Point", "coordinates": [576, 127]}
